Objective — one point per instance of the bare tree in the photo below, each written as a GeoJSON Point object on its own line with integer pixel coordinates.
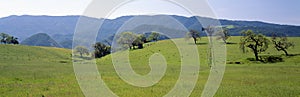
{"type": "Point", "coordinates": [193, 34]}
{"type": "Point", "coordinates": [281, 43]}
{"type": "Point", "coordinates": [223, 34]}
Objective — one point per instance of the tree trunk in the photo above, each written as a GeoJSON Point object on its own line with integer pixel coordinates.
{"type": "Point", "coordinates": [140, 46]}
{"type": "Point", "coordinates": [80, 55]}
{"type": "Point", "coordinates": [256, 55]}
{"type": "Point", "coordinates": [286, 53]}
{"type": "Point", "coordinates": [195, 40]}
{"type": "Point", "coordinates": [256, 51]}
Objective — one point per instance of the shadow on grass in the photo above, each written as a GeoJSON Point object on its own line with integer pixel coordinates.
{"type": "Point", "coordinates": [272, 58]}
{"type": "Point", "coordinates": [198, 43]}
{"type": "Point", "coordinates": [86, 58]}
{"type": "Point", "coordinates": [201, 43]}
{"type": "Point", "coordinates": [268, 59]}
{"type": "Point", "coordinates": [237, 62]}
{"type": "Point", "coordinates": [292, 55]}
{"type": "Point", "coordinates": [229, 43]}
{"type": "Point", "coordinates": [78, 58]}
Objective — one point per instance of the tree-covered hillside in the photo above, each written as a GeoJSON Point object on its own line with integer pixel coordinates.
{"type": "Point", "coordinates": [61, 28]}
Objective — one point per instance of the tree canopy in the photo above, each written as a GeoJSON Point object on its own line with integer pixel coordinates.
{"type": "Point", "coordinates": [281, 43]}
{"type": "Point", "coordinates": [223, 34]}
{"type": "Point", "coordinates": [7, 39]}
{"type": "Point", "coordinates": [82, 50]}
{"type": "Point", "coordinates": [256, 42]}
{"type": "Point", "coordinates": [193, 34]}
{"type": "Point", "coordinates": [101, 50]}
{"type": "Point", "coordinates": [154, 36]}
{"type": "Point", "coordinates": [131, 40]}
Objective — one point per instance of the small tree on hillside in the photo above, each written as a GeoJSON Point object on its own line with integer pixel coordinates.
{"type": "Point", "coordinates": [82, 50]}
{"type": "Point", "coordinates": [281, 43]}
{"type": "Point", "coordinates": [139, 41]}
{"type": "Point", "coordinates": [12, 40]}
{"type": "Point", "coordinates": [193, 34]}
{"type": "Point", "coordinates": [7, 39]}
{"type": "Point", "coordinates": [256, 42]}
{"type": "Point", "coordinates": [3, 38]}
{"type": "Point", "coordinates": [224, 34]}
{"type": "Point", "coordinates": [126, 39]}
{"type": "Point", "coordinates": [101, 50]}
{"type": "Point", "coordinates": [154, 36]}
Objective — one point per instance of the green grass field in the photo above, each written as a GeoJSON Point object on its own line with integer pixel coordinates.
{"type": "Point", "coordinates": [38, 71]}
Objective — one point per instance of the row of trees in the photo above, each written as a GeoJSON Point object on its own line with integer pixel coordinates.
{"type": "Point", "coordinates": [222, 33]}
{"type": "Point", "coordinates": [131, 40]}
{"type": "Point", "coordinates": [100, 50]}
{"type": "Point", "coordinates": [258, 43]}
{"type": "Point", "coordinates": [126, 39]}
{"type": "Point", "coordinates": [8, 39]}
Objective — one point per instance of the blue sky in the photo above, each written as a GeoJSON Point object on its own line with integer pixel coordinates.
{"type": "Point", "coordinates": [273, 11]}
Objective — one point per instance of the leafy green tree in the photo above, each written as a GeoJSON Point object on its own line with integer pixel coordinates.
{"type": "Point", "coordinates": [3, 37]}
{"type": "Point", "coordinates": [193, 34]}
{"type": "Point", "coordinates": [7, 39]}
{"type": "Point", "coordinates": [281, 43]}
{"type": "Point", "coordinates": [142, 37]}
{"type": "Point", "coordinates": [82, 50]}
{"type": "Point", "coordinates": [154, 36]}
{"type": "Point", "coordinates": [126, 39]}
{"type": "Point", "coordinates": [256, 42]}
{"type": "Point", "coordinates": [12, 40]}
{"type": "Point", "coordinates": [131, 40]}
{"type": "Point", "coordinates": [101, 50]}
{"type": "Point", "coordinates": [139, 41]}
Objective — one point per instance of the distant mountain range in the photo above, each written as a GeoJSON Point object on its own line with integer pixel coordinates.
{"type": "Point", "coordinates": [61, 28]}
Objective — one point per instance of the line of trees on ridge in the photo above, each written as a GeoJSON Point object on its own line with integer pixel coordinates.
{"type": "Point", "coordinates": [127, 40]}
{"type": "Point", "coordinates": [255, 42]}
{"type": "Point", "coordinates": [8, 39]}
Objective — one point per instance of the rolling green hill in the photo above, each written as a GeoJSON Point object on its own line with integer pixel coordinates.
{"type": "Point", "coordinates": [247, 78]}
{"type": "Point", "coordinates": [36, 71]}
{"type": "Point", "coordinates": [40, 39]}
{"type": "Point", "coordinates": [43, 71]}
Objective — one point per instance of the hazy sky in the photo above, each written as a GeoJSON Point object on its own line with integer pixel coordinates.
{"type": "Point", "coordinates": [274, 11]}
{"type": "Point", "coordinates": [42, 7]}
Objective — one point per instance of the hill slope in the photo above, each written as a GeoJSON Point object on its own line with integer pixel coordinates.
{"type": "Point", "coordinates": [42, 71]}
{"type": "Point", "coordinates": [36, 71]}
{"type": "Point", "coordinates": [40, 39]}
{"type": "Point", "coordinates": [249, 79]}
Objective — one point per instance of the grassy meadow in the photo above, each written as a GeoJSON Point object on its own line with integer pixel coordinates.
{"type": "Point", "coordinates": [36, 72]}
{"type": "Point", "coordinates": [42, 71]}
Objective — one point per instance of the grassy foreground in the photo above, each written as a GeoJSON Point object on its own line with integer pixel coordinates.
{"type": "Point", "coordinates": [40, 71]}
{"type": "Point", "coordinates": [36, 72]}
